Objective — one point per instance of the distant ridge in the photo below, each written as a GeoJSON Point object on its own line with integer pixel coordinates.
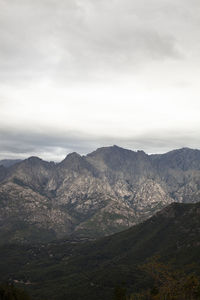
{"type": "Point", "coordinates": [9, 162]}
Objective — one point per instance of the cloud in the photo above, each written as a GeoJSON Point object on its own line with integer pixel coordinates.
{"type": "Point", "coordinates": [15, 144]}
{"type": "Point", "coordinates": [83, 74]}
{"type": "Point", "coordinates": [47, 38]}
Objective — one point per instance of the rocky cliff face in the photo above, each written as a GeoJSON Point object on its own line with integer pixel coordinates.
{"type": "Point", "coordinates": [104, 192]}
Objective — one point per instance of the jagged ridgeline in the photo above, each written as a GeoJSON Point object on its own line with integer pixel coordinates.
{"type": "Point", "coordinates": [92, 196]}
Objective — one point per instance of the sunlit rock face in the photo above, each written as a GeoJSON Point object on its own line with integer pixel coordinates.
{"type": "Point", "coordinates": [90, 196]}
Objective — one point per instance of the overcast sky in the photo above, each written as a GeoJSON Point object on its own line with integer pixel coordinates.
{"type": "Point", "coordinates": [80, 74]}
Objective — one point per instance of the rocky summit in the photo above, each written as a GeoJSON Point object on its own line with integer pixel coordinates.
{"type": "Point", "coordinates": [95, 195]}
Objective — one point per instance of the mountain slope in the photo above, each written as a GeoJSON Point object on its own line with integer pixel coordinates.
{"type": "Point", "coordinates": [91, 270]}
{"type": "Point", "coordinates": [95, 195]}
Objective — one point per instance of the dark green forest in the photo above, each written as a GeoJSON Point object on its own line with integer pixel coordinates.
{"type": "Point", "coordinates": [157, 259]}
{"type": "Point", "coordinates": [10, 292]}
{"type": "Point", "coordinates": [167, 283]}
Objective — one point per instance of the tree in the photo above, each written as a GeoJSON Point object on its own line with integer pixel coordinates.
{"type": "Point", "coordinates": [119, 293]}
{"type": "Point", "coordinates": [169, 283]}
{"type": "Point", "coordinates": [9, 292]}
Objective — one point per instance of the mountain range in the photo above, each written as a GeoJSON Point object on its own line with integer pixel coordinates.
{"type": "Point", "coordinates": [91, 196]}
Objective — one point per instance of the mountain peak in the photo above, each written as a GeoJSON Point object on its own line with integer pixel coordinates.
{"type": "Point", "coordinates": [34, 158]}
{"type": "Point", "coordinates": [74, 155]}
{"type": "Point", "coordinates": [182, 159]}
{"type": "Point", "coordinates": [109, 150]}
{"type": "Point", "coordinates": [71, 156]}
{"type": "Point", "coordinates": [75, 162]}
{"type": "Point", "coordinates": [117, 147]}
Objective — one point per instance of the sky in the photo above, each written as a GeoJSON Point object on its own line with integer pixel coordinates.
{"type": "Point", "coordinates": [76, 75]}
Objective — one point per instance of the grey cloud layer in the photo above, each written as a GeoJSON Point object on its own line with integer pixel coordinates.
{"type": "Point", "coordinates": [63, 37]}
{"type": "Point", "coordinates": [55, 147]}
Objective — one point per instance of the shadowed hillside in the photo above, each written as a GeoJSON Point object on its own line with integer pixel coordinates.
{"type": "Point", "coordinates": [91, 270]}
